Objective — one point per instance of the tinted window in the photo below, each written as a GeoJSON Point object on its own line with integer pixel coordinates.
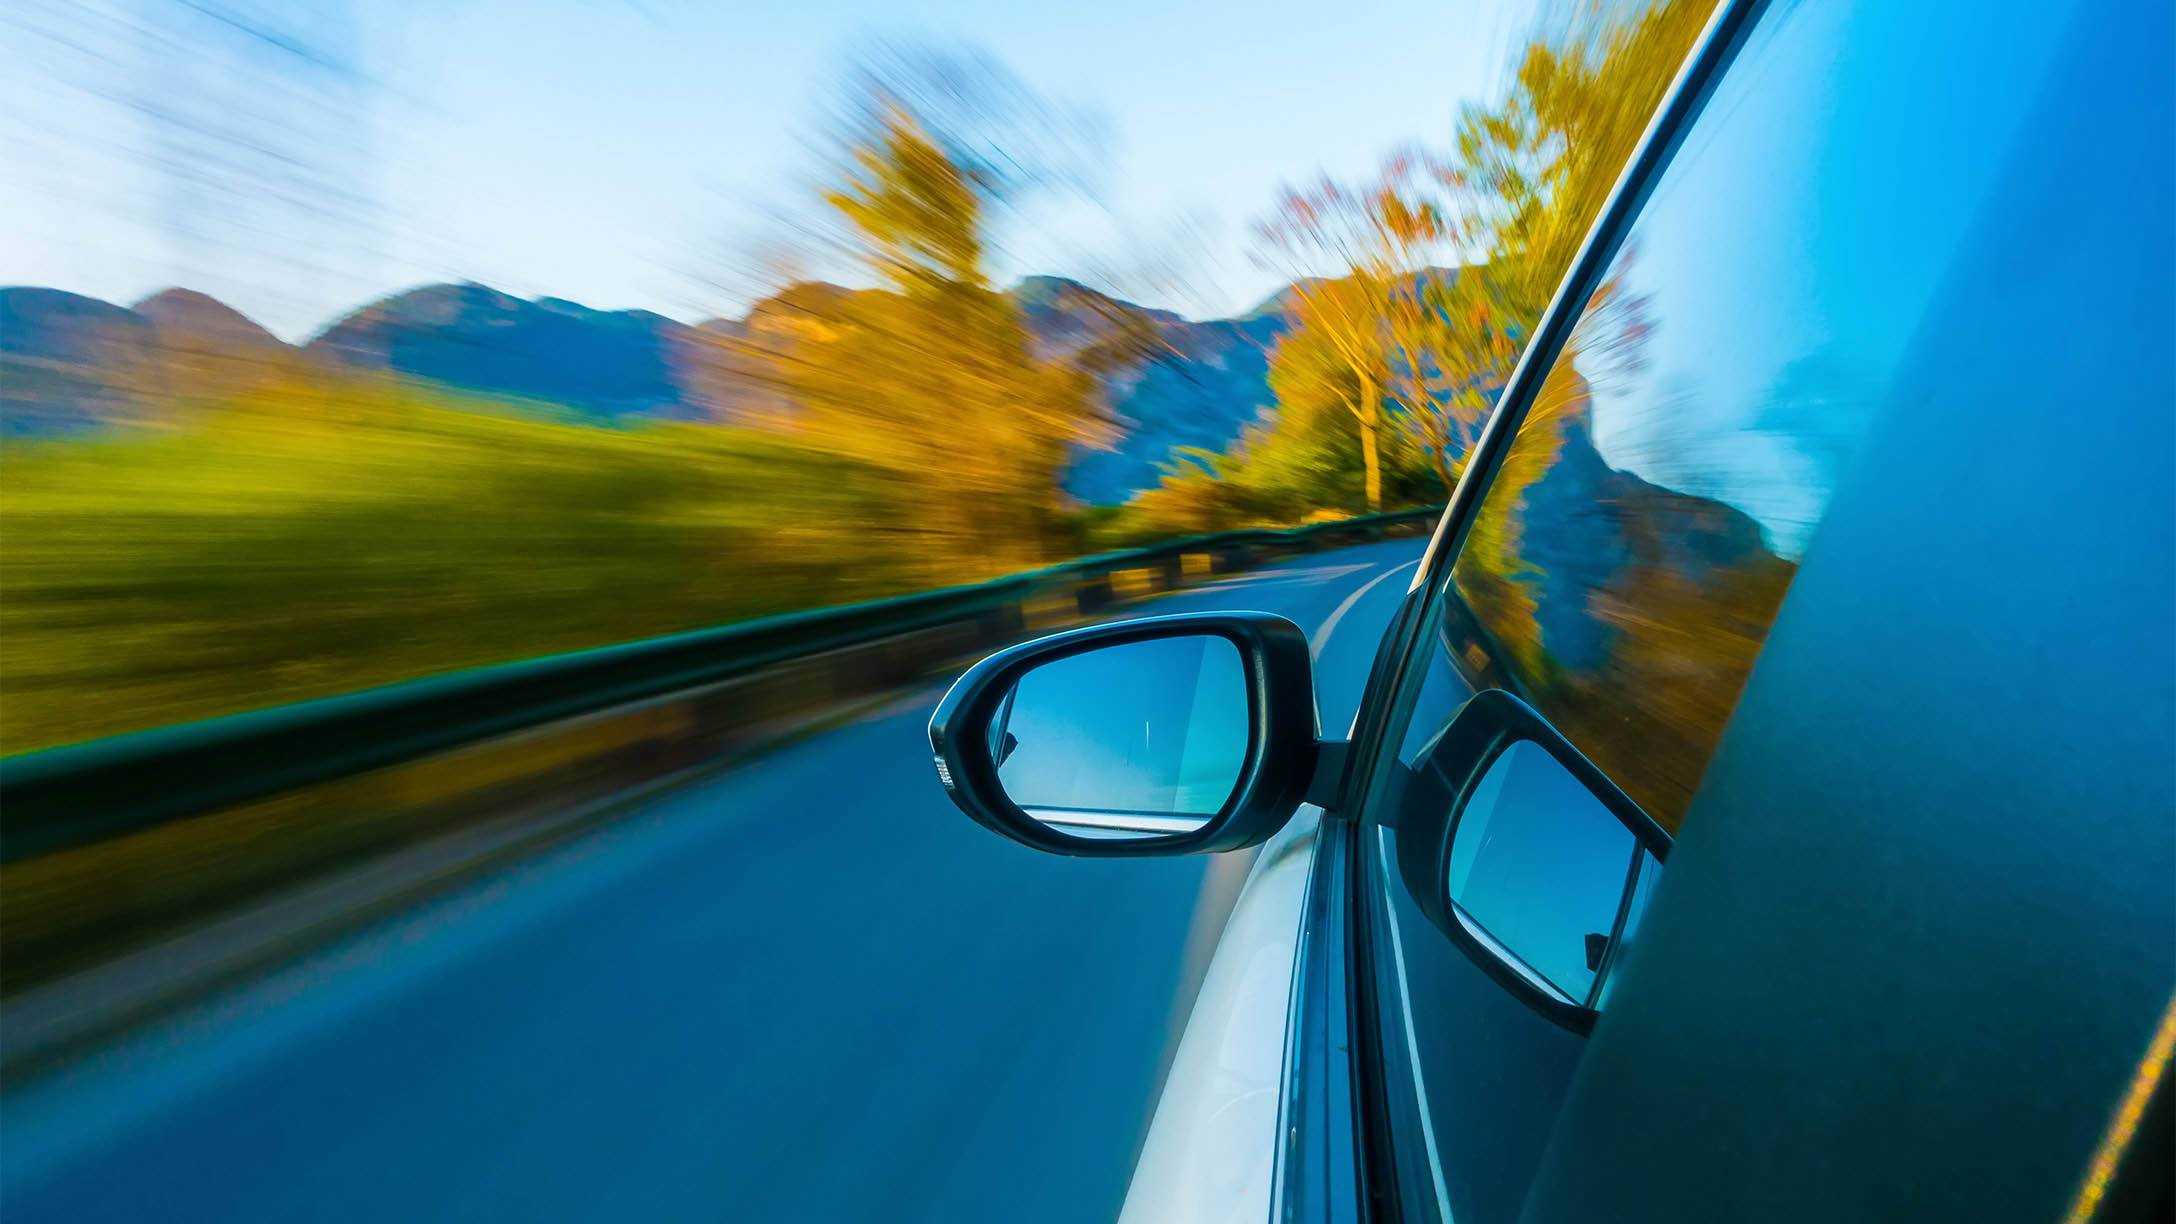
{"type": "Point", "coordinates": [1631, 555]}
{"type": "Point", "coordinates": [1626, 566]}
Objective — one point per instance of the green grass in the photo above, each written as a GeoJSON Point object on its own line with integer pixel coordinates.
{"type": "Point", "coordinates": [318, 541]}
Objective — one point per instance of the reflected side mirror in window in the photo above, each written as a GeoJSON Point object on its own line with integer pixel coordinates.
{"type": "Point", "coordinates": [1531, 860]}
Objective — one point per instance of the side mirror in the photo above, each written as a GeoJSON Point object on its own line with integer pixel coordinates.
{"type": "Point", "coordinates": [1168, 735]}
{"type": "Point", "coordinates": [1531, 860]}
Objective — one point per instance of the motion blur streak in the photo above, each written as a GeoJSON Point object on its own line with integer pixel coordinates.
{"type": "Point", "coordinates": [805, 990]}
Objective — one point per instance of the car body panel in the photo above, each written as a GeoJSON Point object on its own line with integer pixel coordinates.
{"type": "Point", "coordinates": [1918, 934]}
{"type": "Point", "coordinates": [1920, 926]}
{"type": "Point", "coordinates": [1211, 1155]}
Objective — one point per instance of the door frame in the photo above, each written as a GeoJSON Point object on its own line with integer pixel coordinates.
{"type": "Point", "coordinates": [1371, 782]}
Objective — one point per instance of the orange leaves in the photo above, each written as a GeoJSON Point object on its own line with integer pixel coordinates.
{"type": "Point", "coordinates": [931, 379]}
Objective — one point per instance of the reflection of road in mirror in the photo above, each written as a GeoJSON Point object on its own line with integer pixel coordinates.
{"type": "Point", "coordinates": [1144, 738]}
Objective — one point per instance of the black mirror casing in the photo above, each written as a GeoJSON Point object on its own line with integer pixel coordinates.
{"type": "Point", "coordinates": [1283, 749]}
{"type": "Point", "coordinates": [1436, 792]}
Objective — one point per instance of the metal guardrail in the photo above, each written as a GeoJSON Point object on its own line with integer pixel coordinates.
{"type": "Point", "coordinates": [61, 798]}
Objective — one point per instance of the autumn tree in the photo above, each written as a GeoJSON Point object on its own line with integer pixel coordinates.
{"type": "Point", "coordinates": [1415, 356]}
{"type": "Point", "coordinates": [1361, 261]}
{"type": "Point", "coordinates": [1532, 173]}
{"type": "Point", "coordinates": [1535, 169]}
{"type": "Point", "coordinates": [1525, 183]}
{"type": "Point", "coordinates": [931, 377]}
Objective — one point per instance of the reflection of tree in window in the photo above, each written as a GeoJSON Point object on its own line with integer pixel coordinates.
{"type": "Point", "coordinates": [1629, 613]}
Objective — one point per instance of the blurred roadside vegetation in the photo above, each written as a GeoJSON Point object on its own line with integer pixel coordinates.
{"type": "Point", "coordinates": [302, 531]}
{"type": "Point", "coordinates": [1630, 614]}
{"type": "Point", "coordinates": [319, 536]}
{"type": "Point", "coordinates": [1394, 365]}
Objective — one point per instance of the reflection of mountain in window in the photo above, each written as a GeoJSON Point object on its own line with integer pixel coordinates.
{"type": "Point", "coordinates": [1628, 612]}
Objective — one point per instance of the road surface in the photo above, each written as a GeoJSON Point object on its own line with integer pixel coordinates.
{"type": "Point", "coordinates": [806, 990]}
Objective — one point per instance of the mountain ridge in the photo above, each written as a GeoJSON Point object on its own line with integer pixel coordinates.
{"type": "Point", "coordinates": [71, 363]}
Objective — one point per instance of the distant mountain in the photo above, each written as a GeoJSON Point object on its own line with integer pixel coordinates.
{"type": "Point", "coordinates": [1064, 316]}
{"type": "Point", "coordinates": [1199, 386]}
{"type": "Point", "coordinates": [70, 364]}
{"type": "Point", "coordinates": [727, 370]}
{"type": "Point", "coordinates": [606, 364]}
{"type": "Point", "coordinates": [183, 315]}
{"type": "Point", "coordinates": [1587, 528]}
{"type": "Point", "coordinates": [74, 363]}
{"type": "Point", "coordinates": [209, 349]}
{"type": "Point", "coordinates": [1207, 382]}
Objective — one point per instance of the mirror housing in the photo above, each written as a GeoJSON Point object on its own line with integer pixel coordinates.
{"type": "Point", "coordinates": [1445, 781]}
{"type": "Point", "coordinates": [1282, 754]}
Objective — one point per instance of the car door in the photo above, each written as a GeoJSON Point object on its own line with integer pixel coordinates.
{"type": "Point", "coordinates": [1764, 513]}
{"type": "Point", "coordinates": [1759, 808]}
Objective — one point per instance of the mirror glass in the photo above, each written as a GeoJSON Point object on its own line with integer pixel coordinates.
{"type": "Point", "coordinates": [1543, 871]}
{"type": "Point", "coordinates": [1138, 739]}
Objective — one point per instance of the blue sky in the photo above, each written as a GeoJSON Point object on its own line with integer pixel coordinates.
{"type": "Point", "coordinates": [297, 160]}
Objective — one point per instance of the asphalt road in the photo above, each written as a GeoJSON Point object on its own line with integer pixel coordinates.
{"type": "Point", "coordinates": [807, 990]}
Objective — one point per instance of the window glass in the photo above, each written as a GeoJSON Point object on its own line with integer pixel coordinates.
{"type": "Point", "coordinates": [1672, 471]}
{"type": "Point", "coordinates": [1625, 568]}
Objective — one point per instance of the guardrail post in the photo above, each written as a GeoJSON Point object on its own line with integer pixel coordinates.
{"type": "Point", "coordinates": [1133, 583]}
{"type": "Point", "coordinates": [1093, 593]}
{"type": "Point", "coordinates": [1049, 605]}
{"type": "Point", "coordinates": [1005, 622]}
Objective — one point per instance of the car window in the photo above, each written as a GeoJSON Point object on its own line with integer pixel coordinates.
{"type": "Point", "coordinates": [1641, 536]}
{"type": "Point", "coordinates": [1626, 564]}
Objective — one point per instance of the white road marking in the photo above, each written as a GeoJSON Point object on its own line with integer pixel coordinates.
{"type": "Point", "coordinates": [1329, 626]}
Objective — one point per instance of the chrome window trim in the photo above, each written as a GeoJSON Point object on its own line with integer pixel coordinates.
{"type": "Point", "coordinates": [1295, 1018]}
{"type": "Point", "coordinates": [1394, 680]}
{"type": "Point", "coordinates": [1412, 1039]}
{"type": "Point", "coordinates": [1281, 909]}
{"type": "Point", "coordinates": [1388, 697]}
{"type": "Point", "coordinates": [1322, 1178]}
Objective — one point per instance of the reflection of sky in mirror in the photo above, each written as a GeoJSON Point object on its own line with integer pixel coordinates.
{"type": "Point", "coordinates": [1158, 726]}
{"type": "Point", "coordinates": [1540, 864]}
{"type": "Point", "coordinates": [1767, 353]}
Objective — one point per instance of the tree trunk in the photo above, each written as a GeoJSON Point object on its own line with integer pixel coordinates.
{"type": "Point", "coordinates": [1371, 414]}
{"type": "Point", "coordinates": [1443, 470]}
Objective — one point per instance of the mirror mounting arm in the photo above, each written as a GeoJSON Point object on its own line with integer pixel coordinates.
{"type": "Point", "coordinates": [1328, 782]}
